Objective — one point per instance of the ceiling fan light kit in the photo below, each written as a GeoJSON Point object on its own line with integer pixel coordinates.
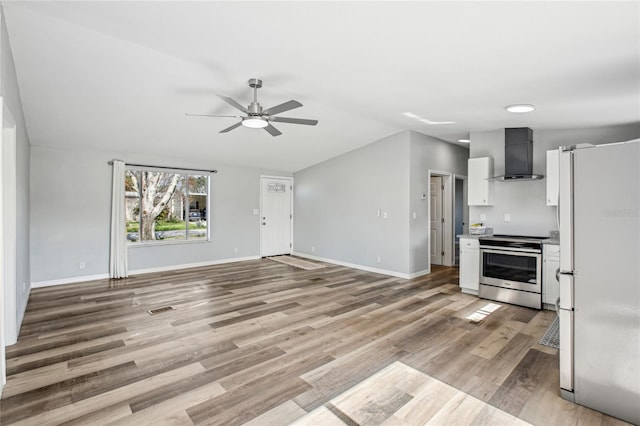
{"type": "Point", "coordinates": [254, 122]}
{"type": "Point", "coordinates": [259, 118]}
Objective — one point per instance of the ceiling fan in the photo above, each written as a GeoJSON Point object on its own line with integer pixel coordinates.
{"type": "Point", "coordinates": [257, 117]}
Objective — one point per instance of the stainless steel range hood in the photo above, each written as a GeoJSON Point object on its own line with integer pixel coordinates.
{"type": "Point", "coordinates": [518, 155]}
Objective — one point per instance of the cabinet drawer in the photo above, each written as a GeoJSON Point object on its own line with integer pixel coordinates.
{"type": "Point", "coordinates": [471, 243]}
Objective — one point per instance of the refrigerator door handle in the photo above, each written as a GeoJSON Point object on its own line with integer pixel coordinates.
{"type": "Point", "coordinates": [565, 210]}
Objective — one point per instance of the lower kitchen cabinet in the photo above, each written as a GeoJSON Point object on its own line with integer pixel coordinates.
{"type": "Point", "coordinates": [469, 265]}
{"type": "Point", "coordinates": [550, 285]}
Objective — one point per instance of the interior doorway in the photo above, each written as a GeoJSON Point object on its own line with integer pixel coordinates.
{"type": "Point", "coordinates": [460, 214]}
{"type": "Point", "coordinates": [440, 213]}
{"type": "Point", "coordinates": [436, 195]}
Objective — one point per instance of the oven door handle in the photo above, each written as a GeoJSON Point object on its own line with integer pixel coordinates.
{"type": "Point", "coordinates": [492, 249]}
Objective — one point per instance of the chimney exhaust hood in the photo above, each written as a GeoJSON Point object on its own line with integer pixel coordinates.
{"type": "Point", "coordinates": [518, 155]}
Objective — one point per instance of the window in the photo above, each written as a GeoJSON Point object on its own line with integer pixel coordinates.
{"type": "Point", "coordinates": [166, 206]}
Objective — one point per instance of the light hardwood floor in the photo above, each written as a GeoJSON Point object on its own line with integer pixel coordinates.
{"type": "Point", "coordinates": [269, 344]}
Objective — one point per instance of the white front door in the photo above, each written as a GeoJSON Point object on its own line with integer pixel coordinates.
{"type": "Point", "coordinates": [275, 216]}
{"type": "Point", "coordinates": [436, 220]}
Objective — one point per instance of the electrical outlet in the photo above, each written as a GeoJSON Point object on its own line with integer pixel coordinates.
{"type": "Point", "coordinates": [82, 265]}
{"type": "Point", "coordinates": [415, 216]}
{"type": "Point", "coordinates": [379, 259]}
{"type": "Point", "coordinates": [24, 286]}
{"type": "Point", "coordinates": [483, 217]}
{"type": "Point", "coordinates": [385, 215]}
{"type": "Point", "coordinates": [235, 249]}
{"type": "Point", "coordinates": [507, 217]}
{"type": "Point", "coordinates": [313, 249]}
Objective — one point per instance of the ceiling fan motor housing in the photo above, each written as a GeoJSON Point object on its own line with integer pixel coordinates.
{"type": "Point", "coordinates": [254, 109]}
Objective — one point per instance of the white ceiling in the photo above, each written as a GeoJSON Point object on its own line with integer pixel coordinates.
{"type": "Point", "coordinates": [121, 75]}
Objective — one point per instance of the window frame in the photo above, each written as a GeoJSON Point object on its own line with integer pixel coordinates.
{"type": "Point", "coordinates": [186, 173]}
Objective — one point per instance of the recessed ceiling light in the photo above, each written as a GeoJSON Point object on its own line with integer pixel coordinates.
{"type": "Point", "coordinates": [464, 140]}
{"type": "Point", "coordinates": [519, 108]}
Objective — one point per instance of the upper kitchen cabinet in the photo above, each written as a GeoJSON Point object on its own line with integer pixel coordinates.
{"type": "Point", "coordinates": [480, 188]}
{"type": "Point", "coordinates": [552, 177]}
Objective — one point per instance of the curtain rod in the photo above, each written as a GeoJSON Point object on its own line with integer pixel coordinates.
{"type": "Point", "coordinates": [164, 167]}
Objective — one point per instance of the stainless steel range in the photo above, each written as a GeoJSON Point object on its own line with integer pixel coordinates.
{"type": "Point", "coordinates": [511, 269]}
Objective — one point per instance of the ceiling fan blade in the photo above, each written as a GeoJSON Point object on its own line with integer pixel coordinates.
{"type": "Point", "coordinates": [211, 115]}
{"type": "Point", "coordinates": [273, 130]}
{"type": "Point", "coordinates": [294, 120]}
{"type": "Point", "coordinates": [233, 103]}
{"type": "Point", "coordinates": [228, 129]}
{"type": "Point", "coordinates": [282, 107]}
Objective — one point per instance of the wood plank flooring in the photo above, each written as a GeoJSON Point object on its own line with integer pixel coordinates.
{"type": "Point", "coordinates": [264, 343]}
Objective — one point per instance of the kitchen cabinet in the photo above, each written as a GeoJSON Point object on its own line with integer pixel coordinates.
{"type": "Point", "coordinates": [553, 178]}
{"type": "Point", "coordinates": [469, 265]}
{"type": "Point", "coordinates": [550, 264]}
{"type": "Point", "coordinates": [480, 190]}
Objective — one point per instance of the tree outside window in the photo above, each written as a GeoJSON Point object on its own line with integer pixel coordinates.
{"type": "Point", "coordinates": [166, 206]}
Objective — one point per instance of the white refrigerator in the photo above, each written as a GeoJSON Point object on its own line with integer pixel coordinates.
{"type": "Point", "coordinates": [600, 277]}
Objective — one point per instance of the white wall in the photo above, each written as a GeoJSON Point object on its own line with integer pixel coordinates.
{"type": "Point", "coordinates": [526, 201]}
{"type": "Point", "coordinates": [70, 215]}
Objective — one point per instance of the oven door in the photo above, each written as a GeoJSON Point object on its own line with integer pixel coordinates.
{"type": "Point", "coordinates": [517, 270]}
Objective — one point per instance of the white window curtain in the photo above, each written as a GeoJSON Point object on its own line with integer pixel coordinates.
{"type": "Point", "coordinates": [118, 256]}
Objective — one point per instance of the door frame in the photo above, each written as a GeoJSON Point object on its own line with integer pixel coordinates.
{"type": "Point", "coordinates": [447, 227]}
{"type": "Point", "coordinates": [290, 179]}
{"type": "Point", "coordinates": [8, 268]}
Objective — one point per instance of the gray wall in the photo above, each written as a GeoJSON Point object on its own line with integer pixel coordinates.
{"type": "Point", "coordinates": [11, 95]}
{"type": "Point", "coordinates": [428, 153]}
{"type": "Point", "coordinates": [70, 214]}
{"type": "Point", "coordinates": [526, 201]}
{"type": "Point", "coordinates": [336, 202]}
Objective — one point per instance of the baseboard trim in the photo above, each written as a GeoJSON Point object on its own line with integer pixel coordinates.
{"type": "Point", "coordinates": [362, 267]}
{"type": "Point", "coordinates": [74, 280]}
{"type": "Point", "coordinates": [420, 273]}
{"type": "Point", "coordinates": [192, 265]}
